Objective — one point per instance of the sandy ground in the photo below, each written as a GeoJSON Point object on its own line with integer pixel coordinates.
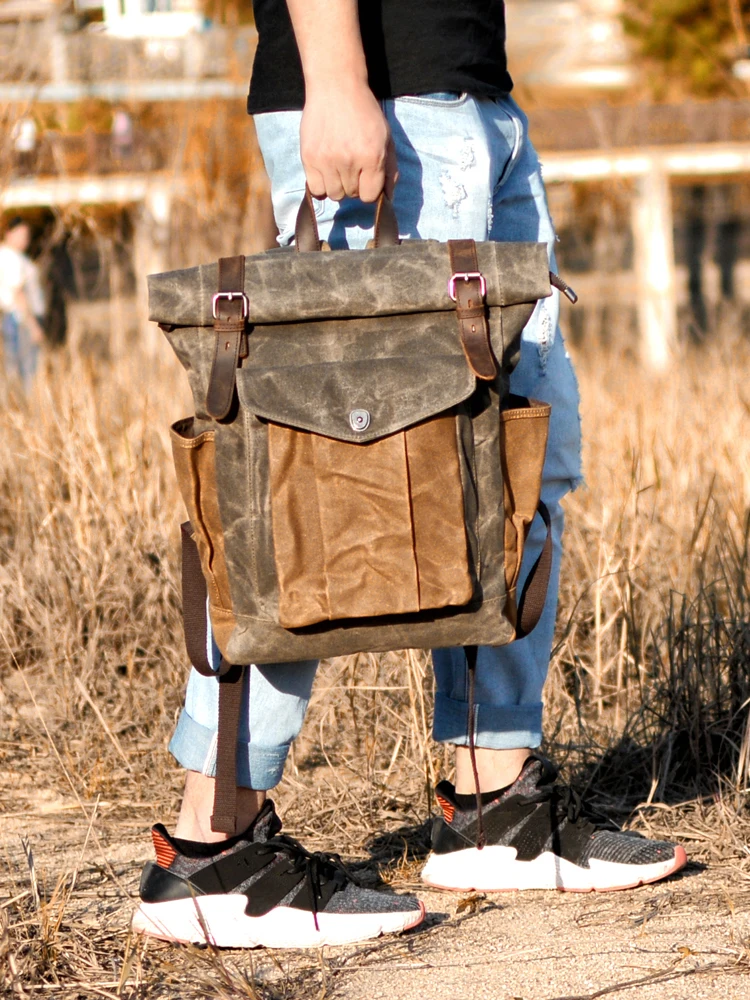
{"type": "Point", "coordinates": [679, 940]}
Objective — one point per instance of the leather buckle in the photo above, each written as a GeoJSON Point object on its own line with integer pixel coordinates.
{"type": "Point", "coordinates": [467, 276]}
{"type": "Point", "coordinates": [230, 297]}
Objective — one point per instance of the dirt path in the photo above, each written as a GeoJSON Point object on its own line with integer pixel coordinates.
{"type": "Point", "coordinates": [681, 940]}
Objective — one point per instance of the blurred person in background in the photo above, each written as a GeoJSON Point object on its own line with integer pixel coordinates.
{"type": "Point", "coordinates": [21, 303]}
{"type": "Point", "coordinates": [411, 99]}
{"type": "Point", "coordinates": [122, 136]}
{"type": "Point", "coordinates": [24, 137]}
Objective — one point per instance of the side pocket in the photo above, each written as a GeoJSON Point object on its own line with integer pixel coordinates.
{"type": "Point", "coordinates": [524, 428]}
{"type": "Point", "coordinates": [194, 461]}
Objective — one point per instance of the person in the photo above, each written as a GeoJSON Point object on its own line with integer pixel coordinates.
{"type": "Point", "coordinates": [122, 136]}
{"type": "Point", "coordinates": [413, 99]}
{"type": "Point", "coordinates": [24, 135]}
{"type": "Point", "coordinates": [21, 303]}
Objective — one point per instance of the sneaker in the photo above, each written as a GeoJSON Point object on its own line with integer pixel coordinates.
{"type": "Point", "coordinates": [539, 835]}
{"type": "Point", "coordinates": [261, 889]}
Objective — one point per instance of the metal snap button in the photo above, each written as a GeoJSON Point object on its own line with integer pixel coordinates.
{"type": "Point", "coordinates": [359, 419]}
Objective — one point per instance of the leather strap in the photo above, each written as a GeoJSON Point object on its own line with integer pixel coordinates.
{"type": "Point", "coordinates": [534, 594]}
{"type": "Point", "coordinates": [230, 680]}
{"type": "Point", "coordinates": [229, 323]}
{"type": "Point", "coordinates": [471, 310]}
{"type": "Point", "coordinates": [307, 237]}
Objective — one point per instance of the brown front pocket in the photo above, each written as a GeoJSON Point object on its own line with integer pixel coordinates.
{"type": "Point", "coordinates": [194, 461]}
{"type": "Point", "coordinates": [523, 446]}
{"type": "Point", "coordinates": [371, 529]}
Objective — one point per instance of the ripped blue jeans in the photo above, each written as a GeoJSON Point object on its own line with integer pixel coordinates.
{"type": "Point", "coordinates": [466, 170]}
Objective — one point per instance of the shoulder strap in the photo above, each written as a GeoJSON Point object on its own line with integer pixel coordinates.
{"type": "Point", "coordinates": [534, 594]}
{"type": "Point", "coordinates": [230, 680]}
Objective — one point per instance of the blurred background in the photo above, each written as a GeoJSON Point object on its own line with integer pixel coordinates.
{"type": "Point", "coordinates": [123, 140]}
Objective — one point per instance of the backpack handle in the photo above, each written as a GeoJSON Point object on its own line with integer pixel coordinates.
{"type": "Point", "coordinates": [307, 237]}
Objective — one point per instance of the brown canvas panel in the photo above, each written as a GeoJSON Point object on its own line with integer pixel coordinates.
{"type": "Point", "coordinates": [523, 444]}
{"type": "Point", "coordinates": [362, 531]}
{"type": "Point", "coordinates": [365, 516]}
{"type": "Point", "coordinates": [194, 459]}
{"type": "Point", "coordinates": [297, 533]}
{"type": "Point", "coordinates": [437, 504]}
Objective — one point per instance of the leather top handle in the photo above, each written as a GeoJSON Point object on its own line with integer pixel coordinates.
{"type": "Point", "coordinates": [306, 236]}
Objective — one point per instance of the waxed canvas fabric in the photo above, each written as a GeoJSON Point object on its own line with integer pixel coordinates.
{"type": "Point", "coordinates": [336, 539]}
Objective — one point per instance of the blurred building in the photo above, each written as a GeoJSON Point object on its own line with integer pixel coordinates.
{"type": "Point", "coordinates": [138, 112]}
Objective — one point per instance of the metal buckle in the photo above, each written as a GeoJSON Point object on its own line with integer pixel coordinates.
{"type": "Point", "coordinates": [467, 276]}
{"type": "Point", "coordinates": [230, 297]}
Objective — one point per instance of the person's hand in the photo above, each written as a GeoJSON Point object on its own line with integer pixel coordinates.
{"type": "Point", "coordinates": [37, 333]}
{"type": "Point", "coordinates": [346, 145]}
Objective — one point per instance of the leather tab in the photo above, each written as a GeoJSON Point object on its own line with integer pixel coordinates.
{"type": "Point", "coordinates": [230, 317]}
{"type": "Point", "coordinates": [471, 309]}
{"type": "Point", "coordinates": [306, 236]}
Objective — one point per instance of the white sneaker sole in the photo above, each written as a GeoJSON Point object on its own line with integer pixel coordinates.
{"type": "Point", "coordinates": [495, 869]}
{"type": "Point", "coordinates": [224, 924]}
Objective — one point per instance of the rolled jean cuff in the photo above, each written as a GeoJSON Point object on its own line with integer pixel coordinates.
{"type": "Point", "coordinates": [194, 747]}
{"type": "Point", "coordinates": [496, 727]}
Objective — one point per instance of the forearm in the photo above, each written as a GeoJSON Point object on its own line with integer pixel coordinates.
{"type": "Point", "coordinates": [345, 141]}
{"type": "Point", "coordinates": [329, 42]}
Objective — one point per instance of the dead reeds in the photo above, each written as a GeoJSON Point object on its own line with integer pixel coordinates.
{"type": "Point", "coordinates": [647, 702]}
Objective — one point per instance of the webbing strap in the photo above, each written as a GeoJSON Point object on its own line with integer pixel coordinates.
{"type": "Point", "coordinates": [530, 610]}
{"type": "Point", "coordinates": [534, 595]}
{"type": "Point", "coordinates": [230, 679]}
{"type": "Point", "coordinates": [224, 817]}
{"type": "Point", "coordinates": [194, 608]}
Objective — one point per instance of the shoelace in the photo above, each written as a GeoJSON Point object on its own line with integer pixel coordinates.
{"type": "Point", "coordinates": [316, 865]}
{"type": "Point", "coordinates": [570, 804]}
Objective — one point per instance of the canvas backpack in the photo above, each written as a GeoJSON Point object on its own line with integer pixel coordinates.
{"type": "Point", "coordinates": [356, 475]}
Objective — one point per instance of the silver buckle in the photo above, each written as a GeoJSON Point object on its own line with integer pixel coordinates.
{"type": "Point", "coordinates": [230, 297]}
{"type": "Point", "coordinates": [467, 276]}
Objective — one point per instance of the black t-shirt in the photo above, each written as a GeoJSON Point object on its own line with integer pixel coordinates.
{"type": "Point", "coordinates": [411, 46]}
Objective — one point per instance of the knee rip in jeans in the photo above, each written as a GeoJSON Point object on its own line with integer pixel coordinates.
{"type": "Point", "coordinates": [454, 192]}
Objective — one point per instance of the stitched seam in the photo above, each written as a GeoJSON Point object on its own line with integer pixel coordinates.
{"type": "Point", "coordinates": [320, 526]}
{"type": "Point", "coordinates": [524, 414]}
{"type": "Point", "coordinates": [412, 526]}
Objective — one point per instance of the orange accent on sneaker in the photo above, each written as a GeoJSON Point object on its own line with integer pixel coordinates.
{"type": "Point", "coordinates": [165, 853]}
{"type": "Point", "coordinates": [449, 810]}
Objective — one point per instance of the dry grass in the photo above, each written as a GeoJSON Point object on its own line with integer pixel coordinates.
{"type": "Point", "coordinates": [647, 698]}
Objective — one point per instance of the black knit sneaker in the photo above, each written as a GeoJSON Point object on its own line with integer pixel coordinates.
{"type": "Point", "coordinates": [261, 889]}
{"type": "Point", "coordinates": [539, 835]}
